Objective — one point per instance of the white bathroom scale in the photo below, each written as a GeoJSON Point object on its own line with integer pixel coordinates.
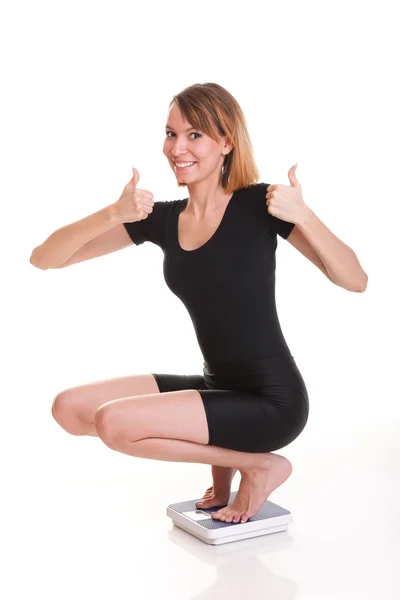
{"type": "Point", "coordinates": [271, 518]}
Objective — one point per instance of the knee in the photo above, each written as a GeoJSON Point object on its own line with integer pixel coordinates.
{"type": "Point", "coordinates": [63, 412]}
{"type": "Point", "coordinates": [106, 425]}
{"type": "Point", "coordinates": [61, 405]}
{"type": "Point", "coordinates": [101, 421]}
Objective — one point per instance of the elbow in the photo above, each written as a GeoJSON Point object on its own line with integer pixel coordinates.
{"type": "Point", "coordinates": [363, 285]}
{"type": "Point", "coordinates": [35, 262]}
{"type": "Point", "coordinates": [37, 266]}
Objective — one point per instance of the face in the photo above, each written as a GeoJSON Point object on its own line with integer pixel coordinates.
{"type": "Point", "coordinates": [184, 144]}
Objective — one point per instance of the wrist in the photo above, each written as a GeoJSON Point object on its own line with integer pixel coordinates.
{"type": "Point", "coordinates": [306, 217]}
{"type": "Point", "coordinates": [113, 214]}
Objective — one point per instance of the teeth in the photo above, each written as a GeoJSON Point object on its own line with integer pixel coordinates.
{"type": "Point", "coordinates": [184, 164]}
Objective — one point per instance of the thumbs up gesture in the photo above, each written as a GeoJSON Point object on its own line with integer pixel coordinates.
{"type": "Point", "coordinates": [286, 201]}
{"type": "Point", "coordinates": [134, 204]}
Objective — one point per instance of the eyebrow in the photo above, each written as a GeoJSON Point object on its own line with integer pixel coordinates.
{"type": "Point", "coordinates": [169, 126]}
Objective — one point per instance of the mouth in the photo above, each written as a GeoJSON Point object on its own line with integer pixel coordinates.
{"type": "Point", "coordinates": [186, 166]}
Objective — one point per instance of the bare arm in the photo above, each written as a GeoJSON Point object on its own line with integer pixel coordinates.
{"type": "Point", "coordinates": [112, 240]}
{"type": "Point", "coordinates": [340, 261]}
{"type": "Point", "coordinates": [63, 243]}
{"type": "Point", "coordinates": [300, 242]}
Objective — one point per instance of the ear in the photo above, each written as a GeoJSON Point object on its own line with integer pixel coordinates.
{"type": "Point", "coordinates": [228, 146]}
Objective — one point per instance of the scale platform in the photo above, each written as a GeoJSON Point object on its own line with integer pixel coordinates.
{"type": "Point", "coordinates": [271, 518]}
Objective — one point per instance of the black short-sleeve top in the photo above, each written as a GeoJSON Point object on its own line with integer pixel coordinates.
{"type": "Point", "coordinates": [227, 284]}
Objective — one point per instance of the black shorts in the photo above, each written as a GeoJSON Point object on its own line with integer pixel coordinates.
{"type": "Point", "coordinates": [251, 406]}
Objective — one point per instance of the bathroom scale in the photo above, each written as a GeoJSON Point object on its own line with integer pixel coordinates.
{"type": "Point", "coordinates": [271, 518]}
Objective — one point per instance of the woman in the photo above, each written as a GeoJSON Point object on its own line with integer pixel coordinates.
{"type": "Point", "coordinates": [219, 258]}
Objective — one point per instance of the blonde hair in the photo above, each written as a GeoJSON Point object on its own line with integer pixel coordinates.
{"type": "Point", "coordinates": [212, 109]}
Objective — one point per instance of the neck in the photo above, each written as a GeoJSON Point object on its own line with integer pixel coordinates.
{"type": "Point", "coordinates": [205, 198]}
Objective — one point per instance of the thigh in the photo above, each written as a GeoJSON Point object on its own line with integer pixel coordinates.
{"type": "Point", "coordinates": [169, 382]}
{"type": "Point", "coordinates": [254, 418]}
{"type": "Point", "coordinates": [255, 406]}
{"type": "Point", "coordinates": [84, 400]}
{"type": "Point", "coordinates": [252, 422]}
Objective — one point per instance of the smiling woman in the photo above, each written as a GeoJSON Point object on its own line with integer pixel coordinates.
{"type": "Point", "coordinates": [219, 259]}
{"type": "Point", "coordinates": [206, 126]}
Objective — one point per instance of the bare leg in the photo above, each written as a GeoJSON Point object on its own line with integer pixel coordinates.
{"type": "Point", "coordinates": [183, 451]}
{"type": "Point", "coordinates": [218, 494]}
{"type": "Point", "coordinates": [261, 472]}
{"type": "Point", "coordinates": [77, 426]}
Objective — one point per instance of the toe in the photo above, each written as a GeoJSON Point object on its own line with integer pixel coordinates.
{"type": "Point", "coordinates": [217, 515]}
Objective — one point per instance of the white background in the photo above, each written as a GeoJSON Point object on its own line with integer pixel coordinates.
{"type": "Point", "coordinates": [86, 89]}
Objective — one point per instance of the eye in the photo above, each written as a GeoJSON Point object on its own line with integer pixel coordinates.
{"type": "Point", "coordinates": [194, 133]}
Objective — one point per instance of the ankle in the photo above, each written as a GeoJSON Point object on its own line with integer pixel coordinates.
{"type": "Point", "coordinates": [222, 480]}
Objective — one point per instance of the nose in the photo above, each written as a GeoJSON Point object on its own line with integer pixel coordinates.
{"type": "Point", "coordinates": [178, 155]}
{"type": "Point", "coordinates": [178, 149]}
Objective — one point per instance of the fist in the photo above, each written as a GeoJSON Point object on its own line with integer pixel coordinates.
{"type": "Point", "coordinates": [286, 201]}
{"type": "Point", "coordinates": [134, 204]}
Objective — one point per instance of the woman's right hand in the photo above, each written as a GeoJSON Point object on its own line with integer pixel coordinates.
{"type": "Point", "coordinates": [134, 205]}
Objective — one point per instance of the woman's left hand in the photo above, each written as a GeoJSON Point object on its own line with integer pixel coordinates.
{"type": "Point", "coordinates": [286, 202]}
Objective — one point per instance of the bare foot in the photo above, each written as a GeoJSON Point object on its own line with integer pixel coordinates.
{"type": "Point", "coordinates": [255, 487]}
{"type": "Point", "coordinates": [211, 499]}
{"type": "Point", "coordinates": [218, 494]}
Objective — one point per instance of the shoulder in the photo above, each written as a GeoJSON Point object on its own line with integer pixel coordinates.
{"type": "Point", "coordinates": [257, 193]}
{"type": "Point", "coordinates": [165, 205]}
{"type": "Point", "coordinates": [255, 190]}
{"type": "Point", "coordinates": [254, 194]}
{"type": "Point", "coordinates": [152, 227]}
{"type": "Point", "coordinates": [162, 209]}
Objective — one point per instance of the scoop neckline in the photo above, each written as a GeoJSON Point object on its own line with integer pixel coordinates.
{"type": "Point", "coordinates": [183, 204]}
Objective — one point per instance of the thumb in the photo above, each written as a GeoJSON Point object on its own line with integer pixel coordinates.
{"type": "Point", "coordinates": [294, 182]}
{"type": "Point", "coordinates": [136, 176]}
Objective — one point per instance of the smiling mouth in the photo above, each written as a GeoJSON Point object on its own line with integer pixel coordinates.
{"type": "Point", "coordinates": [185, 167]}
